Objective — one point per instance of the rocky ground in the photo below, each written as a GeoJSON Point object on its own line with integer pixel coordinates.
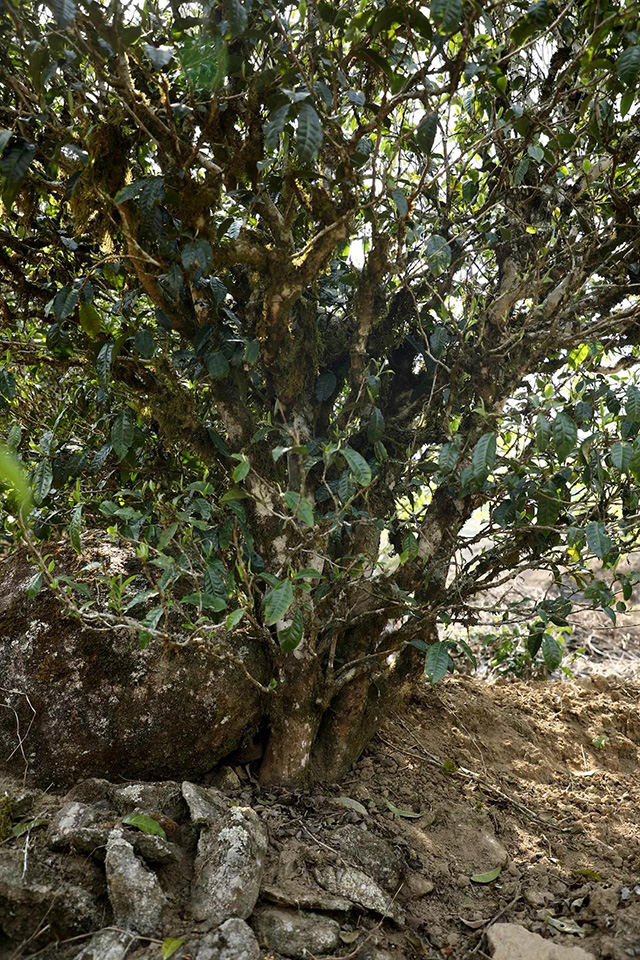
{"type": "Point", "coordinates": [488, 820]}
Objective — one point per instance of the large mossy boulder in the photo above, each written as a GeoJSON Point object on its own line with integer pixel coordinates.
{"type": "Point", "coordinates": [77, 702]}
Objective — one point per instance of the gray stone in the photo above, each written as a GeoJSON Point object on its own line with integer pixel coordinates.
{"type": "Point", "coordinates": [163, 797]}
{"type": "Point", "coordinates": [230, 860]}
{"type": "Point", "coordinates": [296, 934]}
{"type": "Point", "coordinates": [225, 779]}
{"type": "Point", "coordinates": [74, 827]}
{"type": "Point", "coordinates": [135, 893]}
{"type": "Point", "coordinates": [107, 945]}
{"type": "Point", "coordinates": [510, 941]}
{"type": "Point", "coordinates": [233, 940]}
{"type": "Point", "coordinates": [153, 848]}
{"type": "Point", "coordinates": [377, 858]}
{"type": "Point", "coordinates": [117, 711]}
{"type": "Point", "coordinates": [359, 888]}
{"type": "Point", "coordinates": [70, 910]}
{"type": "Point", "coordinates": [294, 894]}
{"type": "Point", "coordinates": [418, 886]}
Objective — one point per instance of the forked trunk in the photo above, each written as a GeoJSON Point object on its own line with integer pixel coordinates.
{"type": "Point", "coordinates": [312, 741]}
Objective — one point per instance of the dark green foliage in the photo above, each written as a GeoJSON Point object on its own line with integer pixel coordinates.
{"type": "Point", "coordinates": [329, 312]}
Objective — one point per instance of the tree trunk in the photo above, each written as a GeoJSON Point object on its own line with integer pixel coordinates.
{"type": "Point", "coordinates": [293, 721]}
{"type": "Point", "coordinates": [309, 740]}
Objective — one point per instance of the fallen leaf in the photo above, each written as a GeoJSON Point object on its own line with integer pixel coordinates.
{"type": "Point", "coordinates": [349, 936]}
{"type": "Point", "coordinates": [352, 805]}
{"type": "Point", "coordinates": [488, 876]}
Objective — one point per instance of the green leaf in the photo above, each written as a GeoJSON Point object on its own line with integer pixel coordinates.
{"type": "Point", "coordinates": [7, 385]}
{"type": "Point", "coordinates": [206, 601]}
{"type": "Point", "coordinates": [437, 661]}
{"type": "Point", "coordinates": [159, 56]}
{"type": "Point", "coordinates": [357, 465]}
{"type": "Point", "coordinates": [122, 433]}
{"type": "Point", "coordinates": [64, 12]}
{"type": "Point", "coordinates": [307, 573]}
{"type": "Point", "coordinates": [234, 618]}
{"type": "Point", "coordinates": [170, 945]}
{"type": "Point", "coordinates": [448, 457]}
{"type": "Point", "coordinates": [12, 475]}
{"type": "Point", "coordinates": [130, 192]}
{"type": "Point", "coordinates": [277, 602]}
{"type": "Point", "coordinates": [197, 255]}
{"type": "Point", "coordinates": [325, 386]}
{"type": "Point", "coordinates": [237, 16]}
{"type": "Point", "coordinates": [565, 435]}
{"type": "Point", "coordinates": [426, 132]}
{"type": "Point", "coordinates": [145, 824]}
{"type": "Point", "coordinates": [291, 636]}
{"type": "Point", "coordinates": [308, 133]}
{"type": "Point", "coordinates": [34, 586]}
{"type": "Point", "coordinates": [241, 472]}
{"type": "Point", "coordinates": [274, 128]}
{"type": "Point", "coordinates": [407, 814]}
{"type": "Point", "coordinates": [15, 161]}
{"type": "Point", "coordinates": [19, 829]}
{"type": "Point", "coordinates": [543, 432]}
{"type": "Point", "coordinates": [446, 14]}
{"type": "Point", "coordinates": [90, 320]}
{"type": "Point", "coordinates": [438, 254]}
{"type": "Point", "coordinates": [487, 877]}
{"type": "Point", "coordinates": [628, 65]}
{"type": "Point", "coordinates": [299, 506]}
{"type": "Point", "coordinates": [144, 343]}
{"type": "Point", "coordinates": [621, 456]}
{"type": "Point", "coordinates": [217, 365]}
{"type": "Point", "coordinates": [484, 455]}
{"type": "Point", "coordinates": [65, 302]}
{"type": "Point", "coordinates": [599, 542]}
{"type": "Point", "coordinates": [632, 405]}
{"type": "Point", "coordinates": [42, 480]}
{"type": "Point", "coordinates": [398, 197]}
{"type": "Point", "coordinates": [375, 429]}
{"type": "Point", "coordinates": [251, 352]}
{"type": "Point", "coordinates": [75, 528]}
{"type": "Point", "coordinates": [552, 652]}
{"type": "Point", "coordinates": [103, 365]}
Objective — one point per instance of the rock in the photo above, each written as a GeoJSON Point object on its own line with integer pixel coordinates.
{"type": "Point", "coordinates": [233, 940]}
{"type": "Point", "coordinates": [93, 790]}
{"type": "Point", "coordinates": [117, 711]}
{"type": "Point", "coordinates": [230, 861]}
{"type": "Point", "coordinates": [107, 945]}
{"type": "Point", "coordinates": [510, 941]}
{"type": "Point", "coordinates": [135, 893]}
{"type": "Point", "coordinates": [70, 910]}
{"type": "Point", "coordinates": [294, 933]}
{"type": "Point", "coordinates": [225, 779]}
{"type": "Point", "coordinates": [164, 797]}
{"type": "Point", "coordinates": [295, 895]}
{"type": "Point", "coordinates": [154, 849]}
{"type": "Point", "coordinates": [74, 827]}
{"type": "Point", "coordinates": [359, 888]}
{"type": "Point", "coordinates": [418, 886]}
{"type": "Point", "coordinates": [377, 858]}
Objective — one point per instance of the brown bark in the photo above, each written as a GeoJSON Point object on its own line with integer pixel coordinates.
{"type": "Point", "coordinates": [311, 739]}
